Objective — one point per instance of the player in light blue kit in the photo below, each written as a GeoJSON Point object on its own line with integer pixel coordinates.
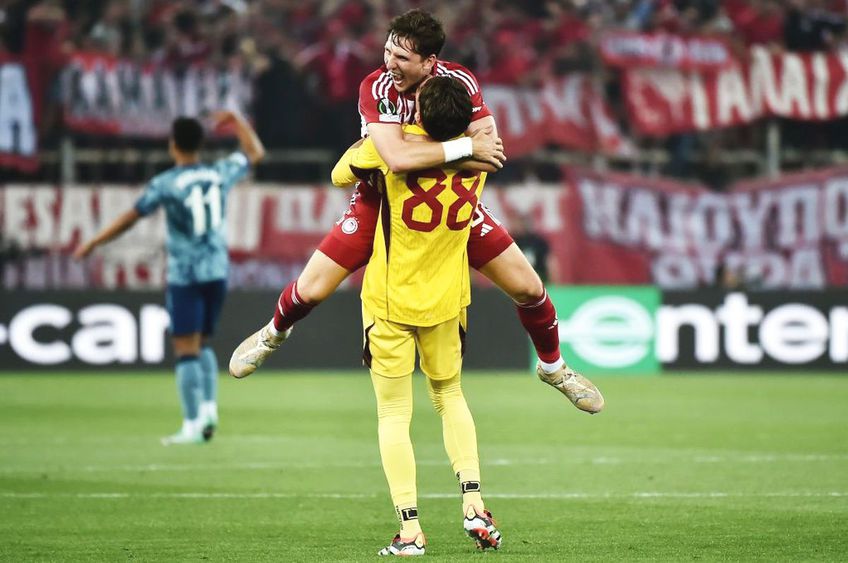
{"type": "Point", "coordinates": [194, 196]}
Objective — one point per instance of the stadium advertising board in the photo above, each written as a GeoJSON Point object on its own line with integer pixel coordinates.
{"type": "Point", "coordinates": [608, 329]}
{"type": "Point", "coordinates": [603, 329]}
{"type": "Point", "coordinates": [128, 330]}
{"type": "Point", "coordinates": [640, 330]}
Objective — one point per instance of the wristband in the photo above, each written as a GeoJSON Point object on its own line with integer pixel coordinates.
{"type": "Point", "coordinates": [458, 148]}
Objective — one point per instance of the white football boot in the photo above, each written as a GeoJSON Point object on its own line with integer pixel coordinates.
{"type": "Point", "coordinates": [190, 433]}
{"type": "Point", "coordinates": [254, 350]}
{"type": "Point", "coordinates": [405, 547]}
{"type": "Point", "coordinates": [209, 419]}
{"type": "Point", "coordinates": [580, 391]}
{"type": "Point", "coordinates": [481, 527]}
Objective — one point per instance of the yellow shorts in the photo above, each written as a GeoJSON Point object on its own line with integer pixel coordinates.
{"type": "Point", "coordinates": [389, 347]}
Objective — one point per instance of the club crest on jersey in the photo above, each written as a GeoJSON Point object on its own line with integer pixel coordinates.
{"type": "Point", "coordinates": [350, 225]}
{"type": "Point", "coordinates": [387, 107]}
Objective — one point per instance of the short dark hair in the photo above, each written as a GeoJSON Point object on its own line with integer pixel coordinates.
{"type": "Point", "coordinates": [421, 29]}
{"type": "Point", "coordinates": [445, 107]}
{"type": "Point", "coordinates": [187, 134]}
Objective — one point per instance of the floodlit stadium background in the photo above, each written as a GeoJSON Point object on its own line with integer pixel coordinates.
{"type": "Point", "coordinates": [682, 162]}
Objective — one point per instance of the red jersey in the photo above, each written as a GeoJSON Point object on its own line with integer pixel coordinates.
{"type": "Point", "coordinates": [380, 102]}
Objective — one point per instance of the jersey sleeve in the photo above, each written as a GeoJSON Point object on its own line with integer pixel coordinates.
{"type": "Point", "coordinates": [364, 157]}
{"type": "Point", "coordinates": [342, 176]}
{"type": "Point", "coordinates": [368, 158]}
{"type": "Point", "coordinates": [150, 199]}
{"type": "Point", "coordinates": [232, 169]}
{"type": "Point", "coordinates": [375, 100]}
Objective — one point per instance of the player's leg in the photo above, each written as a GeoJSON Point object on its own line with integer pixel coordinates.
{"type": "Point", "coordinates": [213, 293]}
{"type": "Point", "coordinates": [389, 352]}
{"type": "Point", "coordinates": [345, 249]}
{"type": "Point", "coordinates": [440, 349]}
{"type": "Point", "coordinates": [493, 253]}
{"type": "Point", "coordinates": [511, 272]}
{"type": "Point", "coordinates": [184, 304]}
{"type": "Point", "coordinates": [320, 277]}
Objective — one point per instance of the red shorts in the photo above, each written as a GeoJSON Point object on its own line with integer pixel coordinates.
{"type": "Point", "coordinates": [350, 241]}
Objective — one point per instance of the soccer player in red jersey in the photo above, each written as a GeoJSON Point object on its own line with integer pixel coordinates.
{"type": "Point", "coordinates": [387, 100]}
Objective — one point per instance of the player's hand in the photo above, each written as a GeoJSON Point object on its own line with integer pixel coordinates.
{"type": "Point", "coordinates": [83, 250]}
{"type": "Point", "coordinates": [222, 118]}
{"type": "Point", "coordinates": [487, 148]}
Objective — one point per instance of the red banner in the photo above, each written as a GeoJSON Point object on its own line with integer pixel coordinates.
{"type": "Point", "coordinates": [18, 116]}
{"type": "Point", "coordinates": [111, 96]}
{"type": "Point", "coordinates": [809, 86]}
{"type": "Point", "coordinates": [628, 49]}
{"type": "Point", "coordinates": [272, 232]}
{"type": "Point", "coordinates": [790, 233]}
{"type": "Point", "coordinates": [567, 111]}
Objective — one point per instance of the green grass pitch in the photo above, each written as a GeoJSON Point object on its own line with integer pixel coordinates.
{"type": "Point", "coordinates": [689, 467]}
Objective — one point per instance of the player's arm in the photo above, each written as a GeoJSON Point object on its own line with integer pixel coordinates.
{"type": "Point", "coordinates": [403, 156]}
{"type": "Point", "coordinates": [249, 141]}
{"type": "Point", "coordinates": [113, 230]}
{"type": "Point", "coordinates": [342, 176]}
{"type": "Point", "coordinates": [483, 124]}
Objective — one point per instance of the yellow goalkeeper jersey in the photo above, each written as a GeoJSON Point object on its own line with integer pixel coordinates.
{"type": "Point", "coordinates": [418, 271]}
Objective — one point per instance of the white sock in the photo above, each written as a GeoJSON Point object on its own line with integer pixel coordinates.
{"type": "Point", "coordinates": [272, 329]}
{"type": "Point", "coordinates": [190, 426]}
{"type": "Point", "coordinates": [551, 368]}
{"type": "Point", "coordinates": [209, 409]}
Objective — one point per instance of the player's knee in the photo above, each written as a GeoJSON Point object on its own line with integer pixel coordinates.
{"type": "Point", "coordinates": [529, 290]}
{"type": "Point", "coordinates": [443, 392]}
{"type": "Point", "coordinates": [438, 402]}
{"type": "Point", "coordinates": [396, 411]}
{"type": "Point", "coordinates": [313, 292]}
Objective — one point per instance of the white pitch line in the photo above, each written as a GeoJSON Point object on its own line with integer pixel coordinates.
{"type": "Point", "coordinates": [497, 462]}
{"type": "Point", "coordinates": [173, 467]}
{"type": "Point", "coordinates": [514, 496]}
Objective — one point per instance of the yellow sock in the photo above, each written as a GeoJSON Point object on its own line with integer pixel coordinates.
{"type": "Point", "coordinates": [394, 414]}
{"type": "Point", "coordinates": [471, 496]}
{"type": "Point", "coordinates": [409, 524]}
{"type": "Point", "coordinates": [460, 436]}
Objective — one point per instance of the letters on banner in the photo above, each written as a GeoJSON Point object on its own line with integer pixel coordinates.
{"type": "Point", "coordinates": [566, 111]}
{"type": "Point", "coordinates": [628, 49]}
{"type": "Point", "coordinates": [804, 86]}
{"type": "Point", "coordinates": [111, 96]}
{"type": "Point", "coordinates": [790, 233]}
{"type": "Point", "coordinates": [18, 116]}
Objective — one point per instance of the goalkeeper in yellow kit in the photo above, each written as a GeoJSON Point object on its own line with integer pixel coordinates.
{"type": "Point", "coordinates": [414, 295]}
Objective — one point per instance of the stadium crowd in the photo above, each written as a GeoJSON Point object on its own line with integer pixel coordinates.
{"type": "Point", "coordinates": [307, 57]}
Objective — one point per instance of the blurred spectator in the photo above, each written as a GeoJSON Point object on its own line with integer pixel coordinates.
{"type": "Point", "coordinates": [756, 21]}
{"type": "Point", "coordinates": [13, 24]}
{"type": "Point", "coordinates": [307, 57]}
{"type": "Point", "coordinates": [333, 67]}
{"type": "Point", "coordinates": [811, 26]}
